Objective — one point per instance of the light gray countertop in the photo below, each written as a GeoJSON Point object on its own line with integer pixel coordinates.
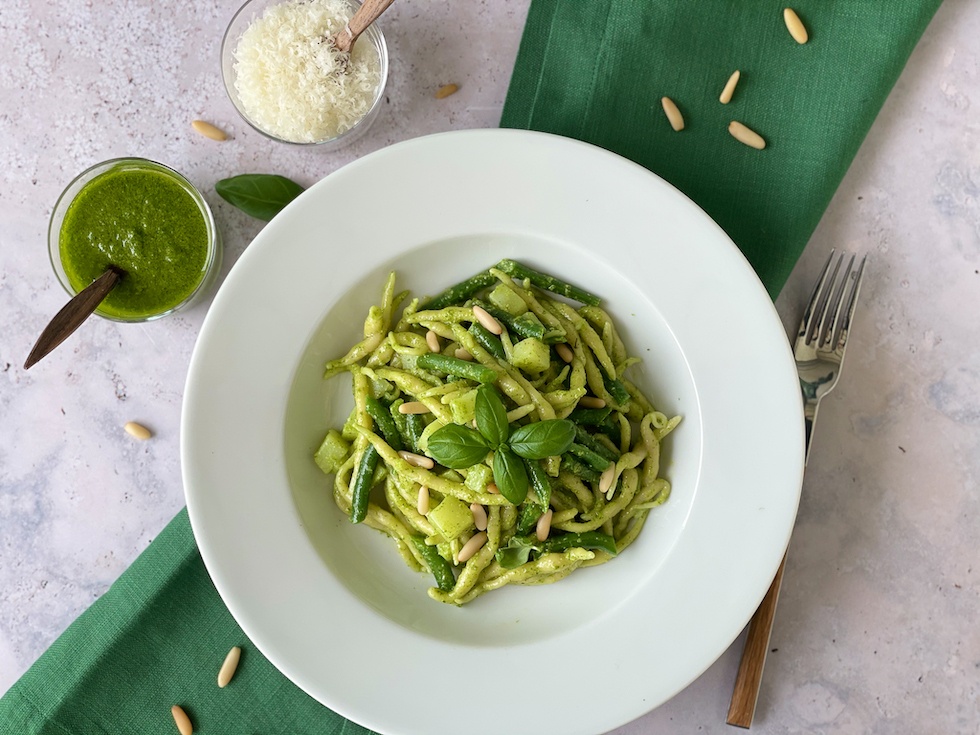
{"type": "Point", "coordinates": [876, 629]}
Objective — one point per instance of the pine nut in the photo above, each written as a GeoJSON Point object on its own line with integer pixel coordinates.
{"type": "Point", "coordinates": [564, 352]}
{"type": "Point", "coordinates": [413, 407]}
{"type": "Point", "coordinates": [418, 460]}
{"type": "Point", "coordinates": [472, 546]}
{"type": "Point", "coordinates": [432, 340]}
{"type": "Point", "coordinates": [208, 130]}
{"type": "Point", "coordinates": [493, 489]}
{"type": "Point", "coordinates": [606, 478]}
{"type": "Point", "coordinates": [182, 721]}
{"type": "Point", "coordinates": [591, 402]}
{"type": "Point", "coordinates": [795, 26]}
{"type": "Point", "coordinates": [479, 516]}
{"type": "Point", "coordinates": [489, 323]}
{"type": "Point", "coordinates": [229, 666]}
{"type": "Point", "coordinates": [673, 114]}
{"type": "Point", "coordinates": [445, 90]}
{"type": "Point", "coordinates": [137, 431]}
{"type": "Point", "coordinates": [463, 354]}
{"type": "Point", "coordinates": [544, 525]}
{"type": "Point", "coordinates": [744, 135]}
{"type": "Point", "coordinates": [729, 90]}
{"type": "Point", "coordinates": [423, 501]}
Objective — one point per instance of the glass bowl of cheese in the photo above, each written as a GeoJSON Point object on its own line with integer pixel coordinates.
{"type": "Point", "coordinates": [287, 80]}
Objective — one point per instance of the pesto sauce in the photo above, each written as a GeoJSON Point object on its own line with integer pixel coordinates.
{"type": "Point", "coordinates": [148, 224]}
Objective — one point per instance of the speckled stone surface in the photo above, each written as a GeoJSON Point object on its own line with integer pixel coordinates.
{"type": "Point", "coordinates": [877, 628]}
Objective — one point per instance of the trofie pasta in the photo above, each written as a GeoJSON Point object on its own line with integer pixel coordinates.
{"type": "Point", "coordinates": [516, 452]}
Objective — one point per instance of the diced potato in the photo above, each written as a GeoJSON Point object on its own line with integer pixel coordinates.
{"type": "Point", "coordinates": [531, 355]}
{"type": "Point", "coordinates": [450, 518]}
{"type": "Point", "coordinates": [333, 452]}
{"type": "Point", "coordinates": [508, 299]}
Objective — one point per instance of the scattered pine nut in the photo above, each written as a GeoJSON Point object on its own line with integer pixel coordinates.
{"type": "Point", "coordinates": [606, 478]}
{"type": "Point", "coordinates": [182, 721]}
{"type": "Point", "coordinates": [673, 114]}
{"type": "Point", "coordinates": [493, 489]}
{"type": "Point", "coordinates": [418, 460]}
{"type": "Point", "coordinates": [479, 516]}
{"type": "Point", "coordinates": [413, 407]}
{"type": "Point", "coordinates": [463, 354]}
{"type": "Point", "coordinates": [729, 90]}
{"type": "Point", "coordinates": [564, 352]}
{"type": "Point", "coordinates": [591, 402]}
{"type": "Point", "coordinates": [208, 130]}
{"type": "Point", "coordinates": [489, 323]}
{"type": "Point", "coordinates": [795, 26]}
{"type": "Point", "coordinates": [543, 528]}
{"type": "Point", "coordinates": [472, 546]}
{"type": "Point", "coordinates": [229, 666]}
{"type": "Point", "coordinates": [432, 340]}
{"type": "Point", "coordinates": [745, 135]}
{"type": "Point", "coordinates": [137, 431]}
{"type": "Point", "coordinates": [445, 90]}
{"type": "Point", "coordinates": [423, 501]}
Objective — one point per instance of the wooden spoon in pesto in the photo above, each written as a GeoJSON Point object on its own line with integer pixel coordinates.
{"type": "Point", "coordinates": [369, 12]}
{"type": "Point", "coordinates": [74, 313]}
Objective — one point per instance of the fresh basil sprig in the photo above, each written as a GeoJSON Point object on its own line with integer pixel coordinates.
{"type": "Point", "coordinates": [262, 196]}
{"type": "Point", "coordinates": [542, 439]}
{"type": "Point", "coordinates": [457, 447]}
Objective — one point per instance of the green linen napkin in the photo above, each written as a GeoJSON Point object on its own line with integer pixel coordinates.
{"type": "Point", "coordinates": [588, 69]}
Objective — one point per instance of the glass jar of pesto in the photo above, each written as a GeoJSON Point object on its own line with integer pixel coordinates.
{"type": "Point", "coordinates": [145, 219]}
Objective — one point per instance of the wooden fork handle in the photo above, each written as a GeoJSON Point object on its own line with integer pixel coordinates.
{"type": "Point", "coordinates": [749, 677]}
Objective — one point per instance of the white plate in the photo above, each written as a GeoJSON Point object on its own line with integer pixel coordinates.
{"type": "Point", "coordinates": [332, 605]}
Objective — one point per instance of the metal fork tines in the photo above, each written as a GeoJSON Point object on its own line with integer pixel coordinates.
{"type": "Point", "coordinates": [822, 337]}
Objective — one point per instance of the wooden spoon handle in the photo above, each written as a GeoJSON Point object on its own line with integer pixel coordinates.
{"type": "Point", "coordinates": [369, 12]}
{"type": "Point", "coordinates": [749, 677]}
{"type": "Point", "coordinates": [73, 314]}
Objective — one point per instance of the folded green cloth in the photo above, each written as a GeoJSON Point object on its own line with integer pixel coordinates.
{"type": "Point", "coordinates": [596, 70]}
{"type": "Point", "coordinates": [588, 69]}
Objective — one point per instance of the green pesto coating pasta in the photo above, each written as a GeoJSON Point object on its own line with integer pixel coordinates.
{"type": "Point", "coordinates": [393, 365]}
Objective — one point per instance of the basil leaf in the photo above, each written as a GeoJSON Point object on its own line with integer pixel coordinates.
{"type": "Point", "coordinates": [543, 439]}
{"type": "Point", "coordinates": [456, 447]}
{"type": "Point", "coordinates": [260, 195]}
{"type": "Point", "coordinates": [516, 552]}
{"type": "Point", "coordinates": [491, 416]}
{"type": "Point", "coordinates": [510, 474]}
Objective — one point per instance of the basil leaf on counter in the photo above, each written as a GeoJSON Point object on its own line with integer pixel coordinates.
{"type": "Point", "coordinates": [491, 415]}
{"type": "Point", "coordinates": [457, 447]}
{"type": "Point", "coordinates": [510, 475]}
{"type": "Point", "coordinates": [543, 438]}
{"type": "Point", "coordinates": [262, 196]}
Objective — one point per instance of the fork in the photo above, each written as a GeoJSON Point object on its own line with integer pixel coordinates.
{"type": "Point", "coordinates": [819, 351]}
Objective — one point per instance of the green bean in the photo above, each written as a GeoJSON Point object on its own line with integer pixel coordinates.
{"type": "Point", "coordinates": [487, 339]}
{"type": "Point", "coordinates": [578, 468]}
{"type": "Point", "coordinates": [441, 569]}
{"type": "Point", "coordinates": [385, 423]}
{"type": "Point", "coordinates": [530, 512]}
{"type": "Point", "coordinates": [548, 283]}
{"type": "Point", "coordinates": [455, 366]}
{"type": "Point", "coordinates": [586, 540]}
{"type": "Point", "coordinates": [363, 484]}
{"type": "Point", "coordinates": [615, 387]}
{"type": "Point", "coordinates": [526, 325]}
{"type": "Point", "coordinates": [593, 459]}
{"type": "Point", "coordinates": [587, 440]}
{"type": "Point", "coordinates": [539, 482]}
{"type": "Point", "coordinates": [590, 416]}
{"type": "Point", "coordinates": [461, 291]}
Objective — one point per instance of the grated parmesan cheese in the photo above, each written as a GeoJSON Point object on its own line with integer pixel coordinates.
{"type": "Point", "coordinates": [288, 75]}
